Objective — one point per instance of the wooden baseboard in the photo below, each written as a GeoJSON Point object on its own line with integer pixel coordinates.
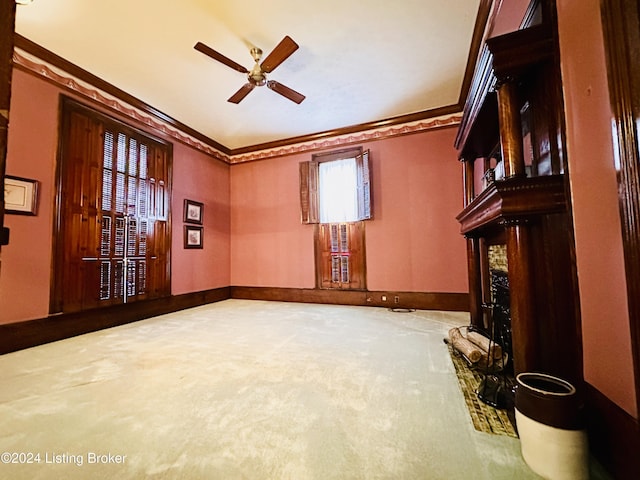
{"type": "Point", "coordinates": [418, 300]}
{"type": "Point", "coordinates": [614, 435]}
{"type": "Point", "coordinates": [30, 333]}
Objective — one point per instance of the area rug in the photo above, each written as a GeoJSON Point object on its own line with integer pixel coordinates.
{"type": "Point", "coordinates": [485, 418]}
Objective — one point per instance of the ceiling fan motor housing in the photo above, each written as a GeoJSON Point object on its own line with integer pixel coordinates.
{"type": "Point", "coordinates": [257, 77]}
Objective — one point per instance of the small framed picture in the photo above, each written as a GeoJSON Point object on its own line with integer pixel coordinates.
{"type": "Point", "coordinates": [193, 236]}
{"type": "Point", "coordinates": [193, 211]}
{"type": "Point", "coordinates": [20, 195]}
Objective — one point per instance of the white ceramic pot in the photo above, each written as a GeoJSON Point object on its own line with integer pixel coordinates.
{"type": "Point", "coordinates": [553, 440]}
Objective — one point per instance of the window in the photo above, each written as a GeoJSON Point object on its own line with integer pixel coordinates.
{"type": "Point", "coordinates": [335, 195]}
{"type": "Point", "coordinates": [349, 194]}
{"type": "Point", "coordinates": [337, 185]}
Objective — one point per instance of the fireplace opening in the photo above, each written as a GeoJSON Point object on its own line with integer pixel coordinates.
{"type": "Point", "coordinates": [501, 314]}
{"type": "Point", "coordinates": [497, 387]}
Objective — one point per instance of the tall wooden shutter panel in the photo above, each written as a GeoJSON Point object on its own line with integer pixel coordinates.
{"type": "Point", "coordinates": [159, 235]}
{"type": "Point", "coordinates": [309, 201]}
{"type": "Point", "coordinates": [79, 216]}
{"type": "Point", "coordinates": [364, 186]}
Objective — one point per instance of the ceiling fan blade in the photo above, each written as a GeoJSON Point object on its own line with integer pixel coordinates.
{"type": "Point", "coordinates": [279, 54]}
{"type": "Point", "coordinates": [240, 94]}
{"type": "Point", "coordinates": [285, 91]}
{"type": "Point", "coordinates": [201, 47]}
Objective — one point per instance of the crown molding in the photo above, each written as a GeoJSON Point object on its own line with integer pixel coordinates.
{"type": "Point", "coordinates": [27, 62]}
{"type": "Point", "coordinates": [335, 139]}
{"type": "Point", "coordinates": [36, 60]}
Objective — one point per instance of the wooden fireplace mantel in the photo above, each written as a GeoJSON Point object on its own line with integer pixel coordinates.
{"type": "Point", "coordinates": [514, 116]}
{"type": "Point", "coordinates": [514, 199]}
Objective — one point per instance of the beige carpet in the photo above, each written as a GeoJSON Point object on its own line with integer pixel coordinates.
{"type": "Point", "coordinates": [249, 390]}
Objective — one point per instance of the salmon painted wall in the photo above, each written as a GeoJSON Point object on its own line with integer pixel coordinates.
{"type": "Point", "coordinates": [269, 245]}
{"type": "Point", "coordinates": [412, 244]}
{"type": "Point", "coordinates": [603, 301]}
{"type": "Point", "coordinates": [26, 261]}
{"type": "Point", "coordinates": [197, 177]}
{"type": "Point", "coordinates": [31, 153]}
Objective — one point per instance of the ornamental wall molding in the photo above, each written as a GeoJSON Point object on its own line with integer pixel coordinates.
{"type": "Point", "coordinates": [63, 79]}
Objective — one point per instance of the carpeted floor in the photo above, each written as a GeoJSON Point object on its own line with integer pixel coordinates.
{"type": "Point", "coordinates": [485, 418]}
{"type": "Point", "coordinates": [248, 390]}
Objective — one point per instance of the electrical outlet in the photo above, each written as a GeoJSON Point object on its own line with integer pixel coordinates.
{"type": "Point", "coordinates": [384, 298]}
{"type": "Point", "coordinates": [396, 299]}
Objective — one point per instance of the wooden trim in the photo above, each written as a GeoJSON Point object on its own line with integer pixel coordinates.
{"type": "Point", "coordinates": [477, 39]}
{"type": "Point", "coordinates": [341, 154]}
{"type": "Point", "coordinates": [514, 198]}
{"type": "Point", "coordinates": [7, 28]}
{"type": "Point", "coordinates": [455, 302]}
{"type": "Point", "coordinates": [478, 110]}
{"type": "Point", "coordinates": [31, 333]}
{"type": "Point", "coordinates": [388, 122]}
{"type": "Point", "coordinates": [513, 54]}
{"type": "Point", "coordinates": [614, 435]}
{"type": "Point", "coordinates": [72, 69]}
{"type": "Point", "coordinates": [620, 19]}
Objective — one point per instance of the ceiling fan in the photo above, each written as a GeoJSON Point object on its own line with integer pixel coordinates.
{"type": "Point", "coordinates": [257, 77]}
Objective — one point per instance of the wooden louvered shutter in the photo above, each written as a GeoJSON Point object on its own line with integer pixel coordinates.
{"type": "Point", "coordinates": [113, 245]}
{"type": "Point", "coordinates": [340, 255]}
{"type": "Point", "coordinates": [309, 204]}
{"type": "Point", "coordinates": [134, 218]}
{"type": "Point", "coordinates": [364, 186]}
{"type": "Point", "coordinates": [323, 256]}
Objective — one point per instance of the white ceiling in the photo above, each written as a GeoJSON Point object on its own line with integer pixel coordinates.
{"type": "Point", "coordinates": [359, 61]}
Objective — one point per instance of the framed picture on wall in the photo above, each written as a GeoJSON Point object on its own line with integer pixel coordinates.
{"type": "Point", "coordinates": [193, 236]}
{"type": "Point", "coordinates": [20, 195]}
{"type": "Point", "coordinates": [193, 211]}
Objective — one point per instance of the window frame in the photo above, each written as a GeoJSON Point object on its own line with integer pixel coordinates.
{"type": "Point", "coordinates": [309, 183]}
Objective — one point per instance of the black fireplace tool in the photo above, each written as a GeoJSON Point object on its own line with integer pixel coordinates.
{"type": "Point", "coordinates": [495, 389]}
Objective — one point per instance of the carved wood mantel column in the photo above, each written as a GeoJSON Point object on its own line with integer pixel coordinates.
{"type": "Point", "coordinates": [524, 328]}
{"type": "Point", "coordinates": [510, 129]}
{"type": "Point", "coordinates": [473, 249]}
{"type": "Point", "coordinates": [475, 281]}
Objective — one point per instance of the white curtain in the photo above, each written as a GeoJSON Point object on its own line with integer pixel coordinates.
{"type": "Point", "coordinates": [338, 191]}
